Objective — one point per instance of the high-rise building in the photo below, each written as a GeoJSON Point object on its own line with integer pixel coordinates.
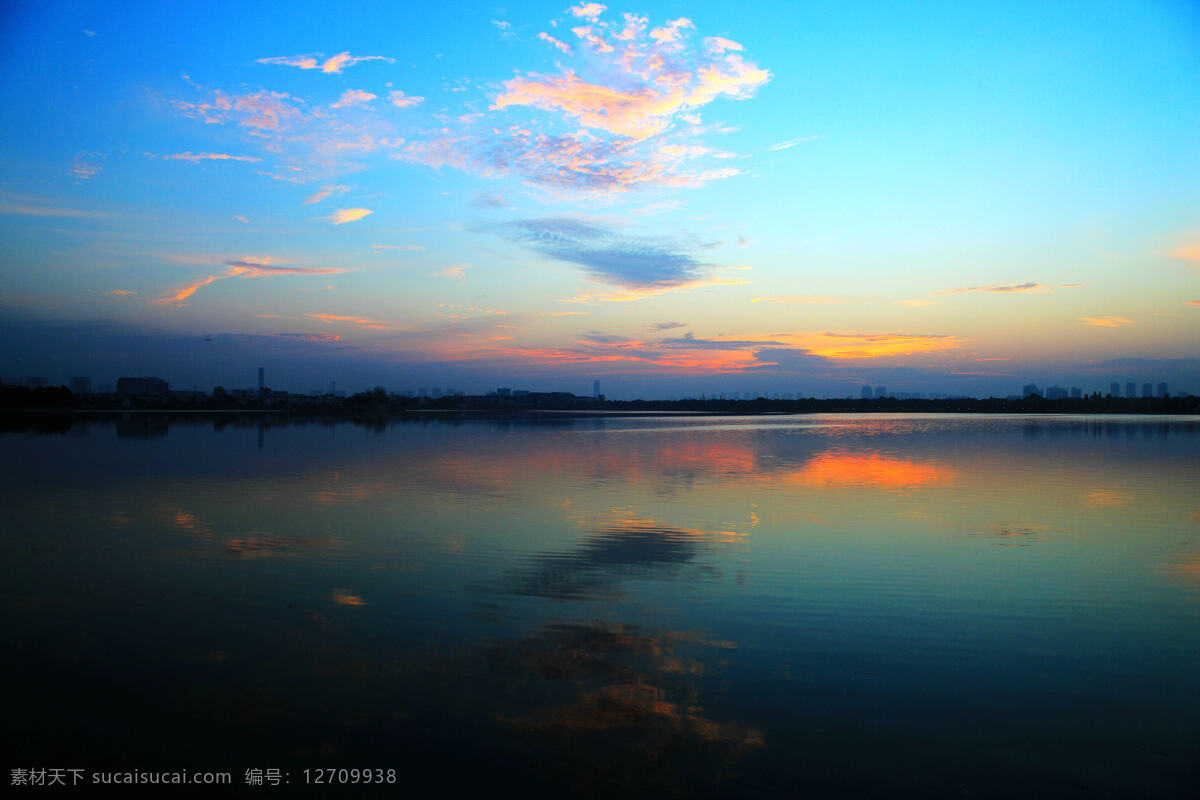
{"type": "Point", "coordinates": [881, 391]}
{"type": "Point", "coordinates": [1147, 390]}
{"type": "Point", "coordinates": [1055, 392]}
{"type": "Point", "coordinates": [80, 384]}
{"type": "Point", "coordinates": [1076, 392]}
{"type": "Point", "coordinates": [1162, 390]}
{"type": "Point", "coordinates": [260, 380]}
{"type": "Point", "coordinates": [1131, 389]}
{"type": "Point", "coordinates": [35, 381]}
{"type": "Point", "coordinates": [867, 393]}
{"type": "Point", "coordinates": [1114, 389]}
{"type": "Point", "coordinates": [596, 388]}
{"type": "Point", "coordinates": [1030, 389]}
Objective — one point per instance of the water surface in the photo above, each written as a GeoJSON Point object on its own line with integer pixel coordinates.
{"type": "Point", "coordinates": [786, 606]}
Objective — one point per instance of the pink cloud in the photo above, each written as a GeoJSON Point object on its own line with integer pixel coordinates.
{"type": "Point", "coordinates": [401, 100]}
{"type": "Point", "coordinates": [120, 292]}
{"type": "Point", "coordinates": [195, 157]}
{"type": "Point", "coordinates": [563, 46]}
{"type": "Point", "coordinates": [262, 110]}
{"type": "Point", "coordinates": [354, 97]}
{"type": "Point", "coordinates": [590, 11]}
{"type": "Point", "coordinates": [332, 65]}
{"type": "Point", "coordinates": [623, 112]}
{"type": "Point", "coordinates": [457, 272]}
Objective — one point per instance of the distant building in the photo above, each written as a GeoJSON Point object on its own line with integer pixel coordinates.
{"type": "Point", "coordinates": [1076, 392]}
{"type": "Point", "coordinates": [80, 384]}
{"type": "Point", "coordinates": [1131, 389]}
{"type": "Point", "coordinates": [35, 381]}
{"type": "Point", "coordinates": [1114, 389]}
{"type": "Point", "coordinates": [1162, 390]}
{"type": "Point", "coordinates": [867, 393]}
{"type": "Point", "coordinates": [596, 388]}
{"type": "Point", "coordinates": [260, 380]}
{"type": "Point", "coordinates": [143, 387]}
{"type": "Point", "coordinates": [881, 391]}
{"type": "Point", "coordinates": [1147, 390]}
{"type": "Point", "coordinates": [1030, 389]}
{"type": "Point", "coordinates": [422, 392]}
{"type": "Point", "coordinates": [1055, 392]}
{"type": "Point", "coordinates": [504, 391]}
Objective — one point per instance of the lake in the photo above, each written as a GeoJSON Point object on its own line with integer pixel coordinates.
{"type": "Point", "coordinates": [811, 606]}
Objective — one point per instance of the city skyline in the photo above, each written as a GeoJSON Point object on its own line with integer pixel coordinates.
{"type": "Point", "coordinates": [665, 198]}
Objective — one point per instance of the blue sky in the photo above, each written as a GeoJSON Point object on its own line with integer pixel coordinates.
{"type": "Point", "coordinates": [671, 197]}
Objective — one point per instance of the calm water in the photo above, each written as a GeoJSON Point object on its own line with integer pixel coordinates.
{"type": "Point", "coordinates": [784, 606]}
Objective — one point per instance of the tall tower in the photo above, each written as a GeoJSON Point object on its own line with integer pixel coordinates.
{"type": "Point", "coordinates": [596, 388]}
{"type": "Point", "coordinates": [260, 380]}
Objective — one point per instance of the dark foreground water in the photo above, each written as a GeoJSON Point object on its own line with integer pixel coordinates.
{"type": "Point", "coordinates": [828, 606]}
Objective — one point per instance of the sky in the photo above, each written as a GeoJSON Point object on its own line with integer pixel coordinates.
{"type": "Point", "coordinates": [672, 198]}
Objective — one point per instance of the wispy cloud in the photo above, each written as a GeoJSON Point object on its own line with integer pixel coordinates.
{"type": "Point", "coordinates": [363, 321]}
{"type": "Point", "coordinates": [23, 209]}
{"type": "Point", "coordinates": [398, 246]}
{"type": "Point", "coordinates": [1031, 288]}
{"type": "Point", "coordinates": [1106, 322]}
{"type": "Point", "coordinates": [246, 267]}
{"type": "Point", "coordinates": [120, 292]}
{"type": "Point", "coordinates": [332, 65]}
{"type": "Point", "coordinates": [344, 215]}
{"type": "Point", "coordinates": [194, 157]}
{"type": "Point", "coordinates": [789, 143]}
{"type": "Point", "coordinates": [325, 192]}
{"type": "Point", "coordinates": [457, 272]}
{"type": "Point", "coordinates": [354, 97]}
{"type": "Point", "coordinates": [401, 100]}
{"type": "Point", "coordinates": [640, 266]}
{"type": "Point", "coordinates": [242, 219]}
{"type": "Point", "coordinates": [312, 337]}
{"type": "Point", "coordinates": [87, 165]}
{"type": "Point", "coordinates": [260, 111]}
{"type": "Point", "coordinates": [666, 326]}
{"type": "Point", "coordinates": [624, 111]}
{"type": "Point", "coordinates": [1192, 302]}
{"type": "Point", "coordinates": [488, 200]}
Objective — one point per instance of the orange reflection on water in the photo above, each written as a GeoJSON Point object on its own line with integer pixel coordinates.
{"type": "Point", "coordinates": [345, 598]}
{"type": "Point", "coordinates": [842, 469]}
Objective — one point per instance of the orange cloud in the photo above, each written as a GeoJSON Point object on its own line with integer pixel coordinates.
{"type": "Point", "coordinates": [344, 215]}
{"type": "Point", "coordinates": [590, 11]}
{"type": "Point", "coordinates": [363, 321]}
{"type": "Point", "coordinates": [262, 111]}
{"type": "Point", "coordinates": [120, 292]}
{"type": "Point", "coordinates": [1106, 322]}
{"type": "Point", "coordinates": [563, 46]}
{"type": "Point", "coordinates": [345, 598]}
{"type": "Point", "coordinates": [458, 272]}
{"type": "Point", "coordinates": [1189, 252]}
{"type": "Point", "coordinates": [1192, 302]}
{"type": "Point", "coordinates": [246, 267]}
{"type": "Point", "coordinates": [327, 191]}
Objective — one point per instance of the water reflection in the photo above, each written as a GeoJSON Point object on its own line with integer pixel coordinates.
{"type": "Point", "coordinates": [601, 606]}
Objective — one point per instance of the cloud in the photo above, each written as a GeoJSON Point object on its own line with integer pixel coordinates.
{"type": "Point", "coordinates": [625, 261]}
{"type": "Point", "coordinates": [503, 28]}
{"type": "Point", "coordinates": [332, 65]}
{"type": "Point", "coordinates": [1032, 288]}
{"type": "Point", "coordinates": [344, 215]}
{"type": "Point", "coordinates": [246, 267]}
{"type": "Point", "coordinates": [589, 11]}
{"type": "Point", "coordinates": [1192, 302]}
{"type": "Point", "coordinates": [363, 321]}
{"type": "Point", "coordinates": [325, 192]}
{"type": "Point", "coordinates": [242, 219]}
{"type": "Point", "coordinates": [562, 46]}
{"type": "Point", "coordinates": [784, 145]}
{"type": "Point", "coordinates": [354, 97]}
{"type": "Point", "coordinates": [398, 246]}
{"type": "Point", "coordinates": [120, 292]}
{"type": "Point", "coordinates": [1106, 322]}
{"type": "Point", "coordinates": [312, 337]}
{"type": "Point", "coordinates": [196, 157]}
{"type": "Point", "coordinates": [622, 112]}
{"type": "Point", "coordinates": [259, 111]}
{"type": "Point", "coordinates": [28, 207]}
{"type": "Point", "coordinates": [401, 100]}
{"type": "Point", "coordinates": [86, 165]}
{"type": "Point", "coordinates": [457, 272]}
{"type": "Point", "coordinates": [488, 200]}
{"type": "Point", "coordinates": [666, 326]}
